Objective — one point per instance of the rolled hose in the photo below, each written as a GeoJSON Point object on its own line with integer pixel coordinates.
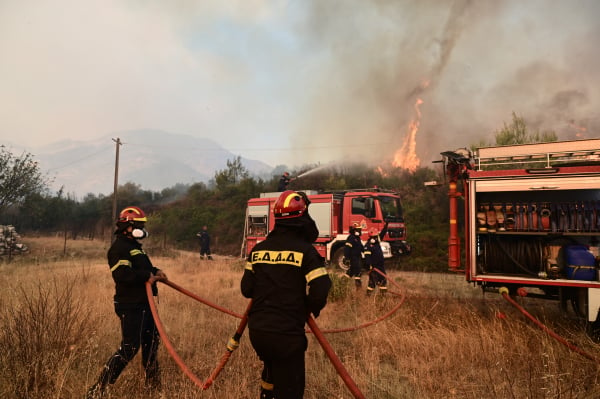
{"type": "Point", "coordinates": [505, 294]}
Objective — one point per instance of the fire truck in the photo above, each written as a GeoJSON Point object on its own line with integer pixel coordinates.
{"type": "Point", "coordinates": [531, 220]}
{"type": "Point", "coordinates": [334, 213]}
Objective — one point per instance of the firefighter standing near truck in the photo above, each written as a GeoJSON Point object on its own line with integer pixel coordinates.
{"type": "Point", "coordinates": [353, 253]}
{"type": "Point", "coordinates": [374, 261]}
{"type": "Point", "coordinates": [131, 269]}
{"type": "Point", "coordinates": [276, 276]}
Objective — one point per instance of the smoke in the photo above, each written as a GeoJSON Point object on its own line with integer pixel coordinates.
{"type": "Point", "coordinates": [472, 63]}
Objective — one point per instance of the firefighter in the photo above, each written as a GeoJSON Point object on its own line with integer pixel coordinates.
{"type": "Point", "coordinates": [374, 260]}
{"type": "Point", "coordinates": [353, 253]}
{"type": "Point", "coordinates": [284, 180]}
{"type": "Point", "coordinates": [131, 269]}
{"type": "Point", "coordinates": [204, 243]}
{"type": "Point", "coordinates": [276, 276]}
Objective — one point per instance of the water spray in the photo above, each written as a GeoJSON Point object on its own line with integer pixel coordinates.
{"type": "Point", "coordinates": [313, 170]}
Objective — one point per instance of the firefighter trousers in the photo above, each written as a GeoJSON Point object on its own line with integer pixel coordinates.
{"type": "Point", "coordinates": [283, 362]}
{"type": "Point", "coordinates": [137, 331]}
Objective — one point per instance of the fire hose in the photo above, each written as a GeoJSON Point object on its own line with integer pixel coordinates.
{"type": "Point", "coordinates": [505, 293]}
{"type": "Point", "coordinates": [233, 342]}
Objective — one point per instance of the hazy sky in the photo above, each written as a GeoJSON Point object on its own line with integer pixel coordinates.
{"type": "Point", "coordinates": [297, 81]}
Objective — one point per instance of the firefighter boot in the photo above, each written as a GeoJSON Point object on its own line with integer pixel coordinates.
{"type": "Point", "coordinates": [481, 219]}
{"type": "Point", "coordinates": [96, 391]}
{"type": "Point", "coordinates": [357, 282]}
{"type": "Point", "coordinates": [210, 257]}
{"type": "Point", "coordinates": [266, 394]}
{"type": "Point", "coordinates": [499, 217]}
{"type": "Point", "coordinates": [369, 291]}
{"type": "Point", "coordinates": [491, 219]}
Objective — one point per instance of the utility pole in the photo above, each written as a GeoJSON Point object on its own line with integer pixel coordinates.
{"type": "Point", "coordinates": [114, 210]}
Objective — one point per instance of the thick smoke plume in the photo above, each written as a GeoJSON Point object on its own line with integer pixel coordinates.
{"type": "Point", "coordinates": [471, 63]}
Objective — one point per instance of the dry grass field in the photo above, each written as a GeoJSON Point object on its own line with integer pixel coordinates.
{"type": "Point", "coordinates": [447, 340]}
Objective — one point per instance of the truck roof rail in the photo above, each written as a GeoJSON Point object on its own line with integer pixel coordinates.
{"type": "Point", "coordinates": [550, 154]}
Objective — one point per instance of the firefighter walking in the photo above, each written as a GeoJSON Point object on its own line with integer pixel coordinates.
{"type": "Point", "coordinates": [353, 253]}
{"type": "Point", "coordinates": [131, 269]}
{"type": "Point", "coordinates": [276, 276]}
{"type": "Point", "coordinates": [374, 260]}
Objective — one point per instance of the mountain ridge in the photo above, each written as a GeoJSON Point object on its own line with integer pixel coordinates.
{"type": "Point", "coordinates": [152, 158]}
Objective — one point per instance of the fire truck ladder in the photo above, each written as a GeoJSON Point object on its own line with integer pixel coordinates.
{"type": "Point", "coordinates": [548, 154]}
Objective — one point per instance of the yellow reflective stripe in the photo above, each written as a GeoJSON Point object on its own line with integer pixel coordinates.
{"type": "Point", "coordinates": [249, 266]}
{"type": "Point", "coordinates": [349, 245]}
{"type": "Point", "coordinates": [367, 252]}
{"type": "Point", "coordinates": [266, 385]}
{"type": "Point", "coordinates": [122, 262]}
{"type": "Point", "coordinates": [288, 199]}
{"type": "Point", "coordinates": [135, 252]}
{"type": "Point", "coordinates": [291, 258]}
{"type": "Point", "coordinates": [313, 274]}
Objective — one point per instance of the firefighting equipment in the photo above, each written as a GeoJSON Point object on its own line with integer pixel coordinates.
{"type": "Point", "coordinates": [132, 214]}
{"type": "Point", "coordinates": [290, 204]}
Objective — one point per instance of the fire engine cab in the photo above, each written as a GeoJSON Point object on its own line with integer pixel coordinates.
{"type": "Point", "coordinates": [532, 219]}
{"type": "Point", "coordinates": [334, 214]}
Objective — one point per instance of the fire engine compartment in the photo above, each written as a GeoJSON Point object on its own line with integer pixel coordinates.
{"type": "Point", "coordinates": [533, 219]}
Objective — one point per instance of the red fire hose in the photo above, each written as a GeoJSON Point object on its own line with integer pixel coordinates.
{"type": "Point", "coordinates": [335, 360]}
{"type": "Point", "coordinates": [232, 344]}
{"type": "Point", "coordinates": [504, 292]}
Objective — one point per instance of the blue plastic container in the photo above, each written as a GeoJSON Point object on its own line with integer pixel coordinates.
{"type": "Point", "coordinates": [581, 263]}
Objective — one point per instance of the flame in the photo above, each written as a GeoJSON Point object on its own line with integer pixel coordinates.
{"type": "Point", "coordinates": [580, 130]}
{"type": "Point", "coordinates": [406, 156]}
{"type": "Point", "coordinates": [382, 172]}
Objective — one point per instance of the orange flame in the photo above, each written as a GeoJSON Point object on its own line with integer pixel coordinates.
{"type": "Point", "coordinates": [406, 156]}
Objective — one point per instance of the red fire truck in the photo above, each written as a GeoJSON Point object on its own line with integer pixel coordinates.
{"type": "Point", "coordinates": [334, 213]}
{"type": "Point", "coordinates": [531, 219]}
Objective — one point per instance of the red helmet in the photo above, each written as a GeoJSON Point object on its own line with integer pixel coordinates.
{"type": "Point", "coordinates": [132, 214]}
{"type": "Point", "coordinates": [373, 232]}
{"type": "Point", "coordinates": [356, 226]}
{"type": "Point", "coordinates": [290, 204]}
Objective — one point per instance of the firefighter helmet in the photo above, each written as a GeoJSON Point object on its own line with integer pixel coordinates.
{"type": "Point", "coordinates": [373, 232]}
{"type": "Point", "coordinates": [132, 214]}
{"type": "Point", "coordinates": [290, 204]}
{"type": "Point", "coordinates": [356, 226]}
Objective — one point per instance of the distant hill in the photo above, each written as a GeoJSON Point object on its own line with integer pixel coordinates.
{"type": "Point", "coordinates": [154, 159]}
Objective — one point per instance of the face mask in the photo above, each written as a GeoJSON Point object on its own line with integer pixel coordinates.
{"type": "Point", "coordinates": [372, 241]}
{"type": "Point", "coordinates": [357, 233]}
{"type": "Point", "coordinates": [139, 233]}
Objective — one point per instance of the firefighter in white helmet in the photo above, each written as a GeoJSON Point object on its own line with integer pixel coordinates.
{"type": "Point", "coordinates": [276, 276]}
{"type": "Point", "coordinates": [131, 269]}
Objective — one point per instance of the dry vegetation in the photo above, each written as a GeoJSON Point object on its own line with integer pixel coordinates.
{"type": "Point", "coordinates": [57, 327]}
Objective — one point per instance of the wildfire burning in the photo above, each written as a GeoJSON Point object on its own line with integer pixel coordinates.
{"type": "Point", "coordinates": [406, 156]}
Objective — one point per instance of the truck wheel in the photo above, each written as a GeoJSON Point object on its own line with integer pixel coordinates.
{"type": "Point", "coordinates": [338, 259]}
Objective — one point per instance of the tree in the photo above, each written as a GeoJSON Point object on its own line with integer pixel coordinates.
{"type": "Point", "coordinates": [20, 177]}
{"type": "Point", "coordinates": [518, 133]}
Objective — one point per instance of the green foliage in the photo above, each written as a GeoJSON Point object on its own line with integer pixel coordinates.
{"type": "Point", "coordinates": [518, 133]}
{"type": "Point", "coordinates": [20, 178]}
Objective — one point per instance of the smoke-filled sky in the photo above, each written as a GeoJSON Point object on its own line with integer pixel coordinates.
{"type": "Point", "coordinates": [296, 81]}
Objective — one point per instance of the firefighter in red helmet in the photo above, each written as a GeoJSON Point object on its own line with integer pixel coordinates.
{"type": "Point", "coordinates": [275, 278]}
{"type": "Point", "coordinates": [131, 269]}
{"type": "Point", "coordinates": [353, 253]}
{"type": "Point", "coordinates": [374, 261]}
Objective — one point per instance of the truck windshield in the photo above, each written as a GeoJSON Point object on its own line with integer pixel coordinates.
{"type": "Point", "coordinates": [391, 208]}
